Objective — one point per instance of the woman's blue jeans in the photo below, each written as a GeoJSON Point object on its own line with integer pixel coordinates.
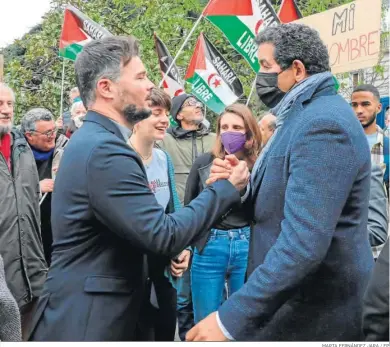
{"type": "Point", "coordinates": [224, 258]}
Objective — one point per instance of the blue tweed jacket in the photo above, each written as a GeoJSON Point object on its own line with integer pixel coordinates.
{"type": "Point", "coordinates": [310, 258]}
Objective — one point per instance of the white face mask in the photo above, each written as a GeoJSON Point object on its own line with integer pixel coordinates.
{"type": "Point", "coordinates": [78, 121]}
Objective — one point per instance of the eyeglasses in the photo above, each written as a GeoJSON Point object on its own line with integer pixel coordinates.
{"type": "Point", "coordinates": [48, 133]}
{"type": "Point", "coordinates": [192, 102]}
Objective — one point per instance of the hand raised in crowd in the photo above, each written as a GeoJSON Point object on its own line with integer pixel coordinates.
{"type": "Point", "coordinates": [232, 169]}
{"type": "Point", "coordinates": [180, 266]}
{"type": "Point", "coordinates": [47, 185]}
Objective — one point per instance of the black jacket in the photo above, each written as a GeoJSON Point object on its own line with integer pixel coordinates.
{"type": "Point", "coordinates": [376, 300]}
{"type": "Point", "coordinates": [45, 172]}
{"type": "Point", "coordinates": [238, 217]}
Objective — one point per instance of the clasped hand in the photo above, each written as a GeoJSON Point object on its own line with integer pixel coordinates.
{"type": "Point", "coordinates": [232, 169]}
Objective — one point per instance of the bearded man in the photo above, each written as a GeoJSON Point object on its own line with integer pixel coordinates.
{"type": "Point", "coordinates": [20, 233]}
{"type": "Point", "coordinates": [105, 218]}
{"type": "Point", "coordinates": [366, 103]}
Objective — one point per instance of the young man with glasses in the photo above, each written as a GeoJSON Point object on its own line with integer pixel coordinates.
{"type": "Point", "coordinates": [184, 143]}
{"type": "Point", "coordinates": [39, 128]}
{"type": "Point", "coordinates": [20, 235]}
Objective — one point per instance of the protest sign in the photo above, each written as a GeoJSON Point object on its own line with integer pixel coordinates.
{"type": "Point", "coordinates": [351, 33]}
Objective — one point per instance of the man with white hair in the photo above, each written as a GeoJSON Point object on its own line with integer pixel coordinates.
{"type": "Point", "coordinates": [77, 112]}
{"type": "Point", "coordinates": [74, 96]}
{"type": "Point", "coordinates": [267, 125]}
{"type": "Point", "coordinates": [20, 235]}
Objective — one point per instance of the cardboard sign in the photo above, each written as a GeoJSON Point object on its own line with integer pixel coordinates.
{"type": "Point", "coordinates": [351, 33]}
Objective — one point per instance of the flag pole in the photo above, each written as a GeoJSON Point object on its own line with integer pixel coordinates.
{"type": "Point", "coordinates": [250, 94]}
{"type": "Point", "coordinates": [43, 198]}
{"type": "Point", "coordinates": [62, 87]}
{"type": "Point", "coordinates": [181, 49]}
{"type": "Point", "coordinates": [205, 121]}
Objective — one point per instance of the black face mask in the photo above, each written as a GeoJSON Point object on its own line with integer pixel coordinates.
{"type": "Point", "coordinates": [267, 88]}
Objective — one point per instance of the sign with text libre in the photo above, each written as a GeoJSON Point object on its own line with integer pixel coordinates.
{"type": "Point", "coordinates": [351, 33]}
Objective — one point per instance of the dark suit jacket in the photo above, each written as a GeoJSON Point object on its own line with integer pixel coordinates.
{"type": "Point", "coordinates": [376, 300]}
{"type": "Point", "coordinates": [310, 258]}
{"type": "Point", "coordinates": [104, 219]}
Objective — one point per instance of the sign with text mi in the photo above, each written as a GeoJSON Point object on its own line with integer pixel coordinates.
{"type": "Point", "coordinates": [351, 33]}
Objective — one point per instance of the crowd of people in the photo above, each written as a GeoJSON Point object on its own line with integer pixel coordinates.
{"type": "Point", "coordinates": [115, 226]}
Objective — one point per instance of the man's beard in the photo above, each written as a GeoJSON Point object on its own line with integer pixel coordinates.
{"type": "Point", "coordinates": [370, 121]}
{"type": "Point", "coordinates": [196, 121]}
{"type": "Point", "coordinates": [133, 115]}
{"type": "Point", "coordinates": [5, 129]}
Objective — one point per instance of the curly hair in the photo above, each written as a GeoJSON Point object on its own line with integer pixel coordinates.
{"type": "Point", "coordinates": [28, 122]}
{"type": "Point", "coordinates": [296, 42]}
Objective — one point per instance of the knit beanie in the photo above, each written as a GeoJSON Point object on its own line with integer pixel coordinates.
{"type": "Point", "coordinates": [177, 103]}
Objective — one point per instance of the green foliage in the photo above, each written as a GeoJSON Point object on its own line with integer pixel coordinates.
{"type": "Point", "coordinates": [33, 68]}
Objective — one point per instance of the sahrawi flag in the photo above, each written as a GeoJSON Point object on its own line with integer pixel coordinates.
{"type": "Point", "coordinates": [77, 30]}
{"type": "Point", "coordinates": [173, 84]}
{"type": "Point", "coordinates": [213, 80]}
{"type": "Point", "coordinates": [241, 21]}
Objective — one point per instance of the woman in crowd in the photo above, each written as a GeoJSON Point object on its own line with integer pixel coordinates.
{"type": "Point", "coordinates": [160, 317]}
{"type": "Point", "coordinates": [77, 113]}
{"type": "Point", "coordinates": [225, 255]}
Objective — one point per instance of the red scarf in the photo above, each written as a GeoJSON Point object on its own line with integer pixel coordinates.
{"type": "Point", "coordinates": [5, 149]}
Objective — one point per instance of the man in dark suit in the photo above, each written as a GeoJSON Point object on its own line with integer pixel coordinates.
{"type": "Point", "coordinates": [104, 216]}
{"type": "Point", "coordinates": [310, 258]}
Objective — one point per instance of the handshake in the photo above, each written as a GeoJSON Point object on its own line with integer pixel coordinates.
{"type": "Point", "coordinates": [234, 170]}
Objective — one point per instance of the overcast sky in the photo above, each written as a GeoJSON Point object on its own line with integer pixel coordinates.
{"type": "Point", "coordinates": [18, 17]}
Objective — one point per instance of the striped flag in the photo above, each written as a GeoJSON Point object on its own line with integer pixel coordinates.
{"type": "Point", "coordinates": [289, 11]}
{"type": "Point", "coordinates": [241, 21]}
{"type": "Point", "coordinates": [173, 84]}
{"type": "Point", "coordinates": [77, 30]}
{"type": "Point", "coordinates": [213, 81]}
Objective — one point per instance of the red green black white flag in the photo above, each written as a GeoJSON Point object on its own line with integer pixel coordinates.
{"type": "Point", "coordinates": [213, 80]}
{"type": "Point", "coordinates": [173, 83]}
{"type": "Point", "coordinates": [289, 11]}
{"type": "Point", "coordinates": [77, 30]}
{"type": "Point", "coordinates": [241, 21]}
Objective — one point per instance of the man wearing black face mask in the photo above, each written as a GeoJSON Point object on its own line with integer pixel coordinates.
{"type": "Point", "coordinates": [267, 88]}
{"type": "Point", "coordinates": [310, 259]}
